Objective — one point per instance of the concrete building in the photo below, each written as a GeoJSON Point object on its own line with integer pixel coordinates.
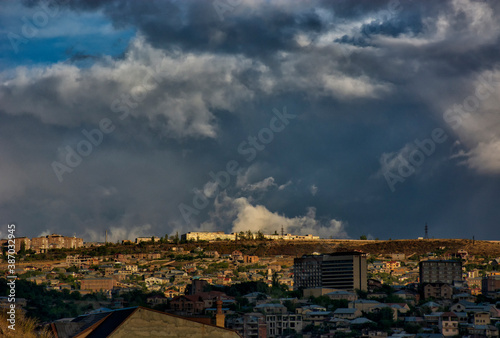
{"type": "Point", "coordinates": [208, 236]}
{"type": "Point", "coordinates": [25, 240]}
{"type": "Point", "coordinates": [250, 325]}
{"type": "Point", "coordinates": [44, 243]}
{"type": "Point", "coordinates": [342, 294]}
{"type": "Point", "coordinates": [438, 291]}
{"type": "Point", "coordinates": [220, 235]}
{"type": "Point", "coordinates": [250, 259]}
{"type": "Point", "coordinates": [290, 237]}
{"type": "Point", "coordinates": [39, 244]}
{"type": "Point", "coordinates": [340, 270]}
{"type": "Point", "coordinates": [440, 271]}
{"type": "Point", "coordinates": [347, 313]}
{"type": "Point", "coordinates": [490, 284]}
{"type": "Point", "coordinates": [187, 304]}
{"type": "Point", "coordinates": [144, 239]}
{"type": "Point", "coordinates": [448, 324]}
{"type": "Point", "coordinates": [278, 324]}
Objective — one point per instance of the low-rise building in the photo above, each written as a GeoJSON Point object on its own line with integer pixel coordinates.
{"type": "Point", "coordinates": [342, 294]}
{"type": "Point", "coordinates": [277, 324]}
{"type": "Point", "coordinates": [448, 324]}
{"type": "Point", "coordinates": [438, 291]}
{"type": "Point", "coordinates": [97, 284]}
{"type": "Point", "coordinates": [347, 313]}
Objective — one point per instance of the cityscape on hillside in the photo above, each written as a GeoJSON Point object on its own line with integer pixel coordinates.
{"type": "Point", "coordinates": [249, 168]}
{"type": "Point", "coordinates": [228, 285]}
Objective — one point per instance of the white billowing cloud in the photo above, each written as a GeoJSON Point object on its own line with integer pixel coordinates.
{"type": "Point", "coordinates": [479, 128]}
{"type": "Point", "coordinates": [313, 189]}
{"type": "Point", "coordinates": [485, 157]}
{"type": "Point", "coordinates": [318, 74]}
{"type": "Point", "coordinates": [284, 186]}
{"type": "Point", "coordinates": [478, 26]}
{"type": "Point", "coordinates": [184, 89]}
{"type": "Point", "coordinates": [262, 185]}
{"type": "Point", "coordinates": [348, 87]}
{"type": "Point", "coordinates": [244, 216]}
{"type": "Point", "coordinates": [119, 233]}
{"type": "Point", "coordinates": [45, 233]}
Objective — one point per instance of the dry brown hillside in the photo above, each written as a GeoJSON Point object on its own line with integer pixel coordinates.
{"type": "Point", "coordinates": [406, 246]}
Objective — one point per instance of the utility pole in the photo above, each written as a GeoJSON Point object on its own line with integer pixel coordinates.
{"type": "Point", "coordinates": [282, 231]}
{"type": "Point", "coordinates": [106, 237]}
{"type": "Point", "coordinates": [426, 231]}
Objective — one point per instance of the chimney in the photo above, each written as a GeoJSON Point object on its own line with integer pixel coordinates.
{"type": "Point", "coordinates": [220, 318]}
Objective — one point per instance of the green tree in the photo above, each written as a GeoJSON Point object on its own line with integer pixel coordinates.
{"type": "Point", "coordinates": [362, 237]}
{"type": "Point", "coordinates": [22, 250]}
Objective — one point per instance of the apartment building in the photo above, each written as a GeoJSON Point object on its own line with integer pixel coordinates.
{"type": "Point", "coordinates": [490, 284]}
{"type": "Point", "coordinates": [279, 324]}
{"type": "Point", "coordinates": [440, 271]}
{"type": "Point", "coordinates": [448, 324]}
{"type": "Point", "coordinates": [20, 240]}
{"type": "Point", "coordinates": [80, 260]}
{"type": "Point", "coordinates": [208, 236]}
{"type": "Point", "coordinates": [220, 235]}
{"type": "Point", "coordinates": [438, 291]}
{"type": "Point", "coordinates": [249, 325]}
{"type": "Point", "coordinates": [44, 243]}
{"type": "Point", "coordinates": [340, 270]}
{"type": "Point", "coordinates": [39, 244]}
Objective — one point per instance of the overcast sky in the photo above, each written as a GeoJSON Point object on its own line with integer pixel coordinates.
{"type": "Point", "coordinates": [336, 118]}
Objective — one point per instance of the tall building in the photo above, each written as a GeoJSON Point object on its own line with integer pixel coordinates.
{"type": "Point", "coordinates": [339, 270]}
{"type": "Point", "coordinates": [490, 285]}
{"type": "Point", "coordinates": [440, 271]}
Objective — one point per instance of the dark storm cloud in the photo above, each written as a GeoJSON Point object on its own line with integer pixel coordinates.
{"type": "Point", "coordinates": [365, 79]}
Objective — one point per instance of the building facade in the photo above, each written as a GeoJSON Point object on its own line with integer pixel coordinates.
{"type": "Point", "coordinates": [340, 270]}
{"type": "Point", "coordinates": [440, 271]}
{"type": "Point", "coordinates": [44, 243]}
{"type": "Point", "coordinates": [490, 284]}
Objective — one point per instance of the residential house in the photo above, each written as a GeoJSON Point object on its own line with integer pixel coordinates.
{"type": "Point", "coordinates": [342, 294]}
{"type": "Point", "coordinates": [347, 313]}
{"type": "Point", "coordinates": [438, 291]}
{"type": "Point", "coordinates": [187, 304]}
{"type": "Point", "coordinates": [448, 324]}
{"type": "Point", "coordinates": [249, 325]}
{"type": "Point", "coordinates": [278, 323]}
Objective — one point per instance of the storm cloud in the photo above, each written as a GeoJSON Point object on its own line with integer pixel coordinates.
{"type": "Point", "coordinates": [181, 85]}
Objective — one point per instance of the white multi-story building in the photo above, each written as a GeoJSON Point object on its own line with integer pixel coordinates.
{"type": "Point", "coordinates": [208, 236]}
{"type": "Point", "coordinates": [278, 324]}
{"type": "Point", "coordinates": [220, 235]}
